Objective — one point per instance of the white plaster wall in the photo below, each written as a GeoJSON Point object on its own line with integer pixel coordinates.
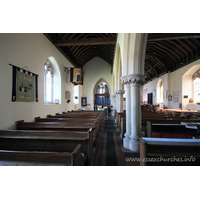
{"type": "Point", "coordinates": [94, 70]}
{"type": "Point", "coordinates": [29, 50]}
{"type": "Point", "coordinates": [174, 82]}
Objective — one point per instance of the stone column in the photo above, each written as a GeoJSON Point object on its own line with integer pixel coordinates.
{"type": "Point", "coordinates": [133, 111]}
{"type": "Point", "coordinates": [113, 102]}
{"type": "Point", "coordinates": [119, 97]}
{"type": "Point", "coordinates": [126, 139]}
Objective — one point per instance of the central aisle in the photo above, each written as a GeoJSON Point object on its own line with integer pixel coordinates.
{"type": "Point", "coordinates": [110, 151]}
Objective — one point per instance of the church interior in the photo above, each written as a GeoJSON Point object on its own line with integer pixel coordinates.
{"type": "Point", "coordinates": [128, 87]}
{"type": "Point", "coordinates": [84, 109]}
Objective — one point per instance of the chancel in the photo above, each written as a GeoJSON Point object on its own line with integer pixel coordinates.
{"type": "Point", "coordinates": [100, 99]}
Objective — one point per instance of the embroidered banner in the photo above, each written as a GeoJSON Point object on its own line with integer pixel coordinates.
{"type": "Point", "coordinates": [76, 76]}
{"type": "Point", "coordinates": [25, 87]}
{"type": "Point", "coordinates": [83, 101]}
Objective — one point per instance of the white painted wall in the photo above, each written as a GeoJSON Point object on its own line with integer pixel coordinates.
{"type": "Point", "coordinates": [95, 70]}
{"type": "Point", "coordinates": [179, 80]}
{"type": "Point", "coordinates": [29, 50]}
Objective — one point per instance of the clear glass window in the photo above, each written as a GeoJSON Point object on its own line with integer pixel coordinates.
{"type": "Point", "coordinates": [48, 83]}
{"type": "Point", "coordinates": [196, 90]}
{"type": "Point", "coordinates": [76, 94]}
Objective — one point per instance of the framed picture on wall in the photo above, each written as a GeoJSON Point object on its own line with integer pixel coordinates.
{"type": "Point", "coordinates": [175, 99]}
{"type": "Point", "coordinates": [83, 101]}
{"type": "Point", "coordinates": [170, 97]}
{"type": "Point", "coordinates": [175, 93]}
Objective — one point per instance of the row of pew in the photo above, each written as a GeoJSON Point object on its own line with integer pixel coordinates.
{"type": "Point", "coordinates": [167, 140]}
{"type": "Point", "coordinates": [69, 138]}
{"type": "Point", "coordinates": [154, 117]}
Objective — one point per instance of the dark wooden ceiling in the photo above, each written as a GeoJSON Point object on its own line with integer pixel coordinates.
{"type": "Point", "coordinates": [165, 52]}
{"type": "Point", "coordinates": [79, 48]}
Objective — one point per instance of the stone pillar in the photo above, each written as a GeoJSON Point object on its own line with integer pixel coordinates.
{"type": "Point", "coordinates": [126, 139]}
{"type": "Point", "coordinates": [133, 111]}
{"type": "Point", "coordinates": [119, 97]}
{"type": "Point", "coordinates": [113, 102]}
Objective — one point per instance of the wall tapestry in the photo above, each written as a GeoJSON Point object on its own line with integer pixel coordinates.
{"type": "Point", "coordinates": [76, 76]}
{"type": "Point", "coordinates": [25, 85]}
{"type": "Point", "coordinates": [83, 101]}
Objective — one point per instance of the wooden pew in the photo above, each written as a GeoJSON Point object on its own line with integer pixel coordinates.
{"type": "Point", "coordinates": [145, 115]}
{"type": "Point", "coordinates": [47, 140]}
{"type": "Point", "coordinates": [33, 158]}
{"type": "Point", "coordinates": [70, 120]}
{"type": "Point", "coordinates": [97, 118]}
{"type": "Point", "coordinates": [99, 114]}
{"type": "Point", "coordinates": [156, 151]}
{"type": "Point", "coordinates": [65, 126]}
{"type": "Point", "coordinates": [90, 114]}
{"type": "Point", "coordinates": [173, 126]}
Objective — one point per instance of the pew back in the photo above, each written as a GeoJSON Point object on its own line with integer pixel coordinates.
{"type": "Point", "coordinates": [46, 140]}
{"type": "Point", "coordinates": [154, 150]}
{"type": "Point", "coordinates": [33, 158]}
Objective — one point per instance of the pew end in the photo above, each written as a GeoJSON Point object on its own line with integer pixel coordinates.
{"type": "Point", "coordinates": [36, 119]}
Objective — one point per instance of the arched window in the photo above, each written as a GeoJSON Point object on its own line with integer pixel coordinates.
{"type": "Point", "coordinates": [160, 90]}
{"type": "Point", "coordinates": [102, 96]}
{"type": "Point", "coordinates": [196, 86]}
{"type": "Point", "coordinates": [48, 83]}
{"type": "Point", "coordinates": [102, 88]}
{"type": "Point", "coordinates": [76, 94]}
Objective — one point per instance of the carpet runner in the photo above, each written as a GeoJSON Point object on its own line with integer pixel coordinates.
{"type": "Point", "coordinates": [110, 151]}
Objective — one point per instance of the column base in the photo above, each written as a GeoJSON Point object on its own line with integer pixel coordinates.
{"type": "Point", "coordinates": [134, 145]}
{"type": "Point", "coordinates": [126, 141]}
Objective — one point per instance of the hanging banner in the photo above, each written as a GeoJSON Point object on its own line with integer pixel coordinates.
{"type": "Point", "coordinates": [83, 101]}
{"type": "Point", "coordinates": [25, 87]}
{"type": "Point", "coordinates": [76, 76]}
{"type": "Point", "coordinates": [14, 82]}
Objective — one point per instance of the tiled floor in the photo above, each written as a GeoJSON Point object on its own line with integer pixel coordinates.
{"type": "Point", "coordinates": [110, 151]}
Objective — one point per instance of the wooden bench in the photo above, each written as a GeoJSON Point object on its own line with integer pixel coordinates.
{"type": "Point", "coordinates": [65, 126]}
{"type": "Point", "coordinates": [173, 128]}
{"type": "Point", "coordinates": [167, 151]}
{"type": "Point", "coordinates": [33, 158]}
{"type": "Point", "coordinates": [71, 120]}
{"type": "Point", "coordinates": [47, 140]}
{"type": "Point", "coordinates": [146, 127]}
{"type": "Point", "coordinates": [99, 115]}
{"type": "Point", "coordinates": [145, 115]}
{"type": "Point", "coordinates": [93, 114]}
{"type": "Point", "coordinates": [97, 118]}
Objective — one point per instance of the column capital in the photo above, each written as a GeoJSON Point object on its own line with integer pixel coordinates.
{"type": "Point", "coordinates": [119, 92]}
{"type": "Point", "coordinates": [136, 79]}
{"type": "Point", "coordinates": [113, 95]}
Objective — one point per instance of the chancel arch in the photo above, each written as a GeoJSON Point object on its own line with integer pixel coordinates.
{"type": "Point", "coordinates": [101, 93]}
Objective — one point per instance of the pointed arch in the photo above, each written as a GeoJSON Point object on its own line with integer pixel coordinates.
{"type": "Point", "coordinates": [98, 82]}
